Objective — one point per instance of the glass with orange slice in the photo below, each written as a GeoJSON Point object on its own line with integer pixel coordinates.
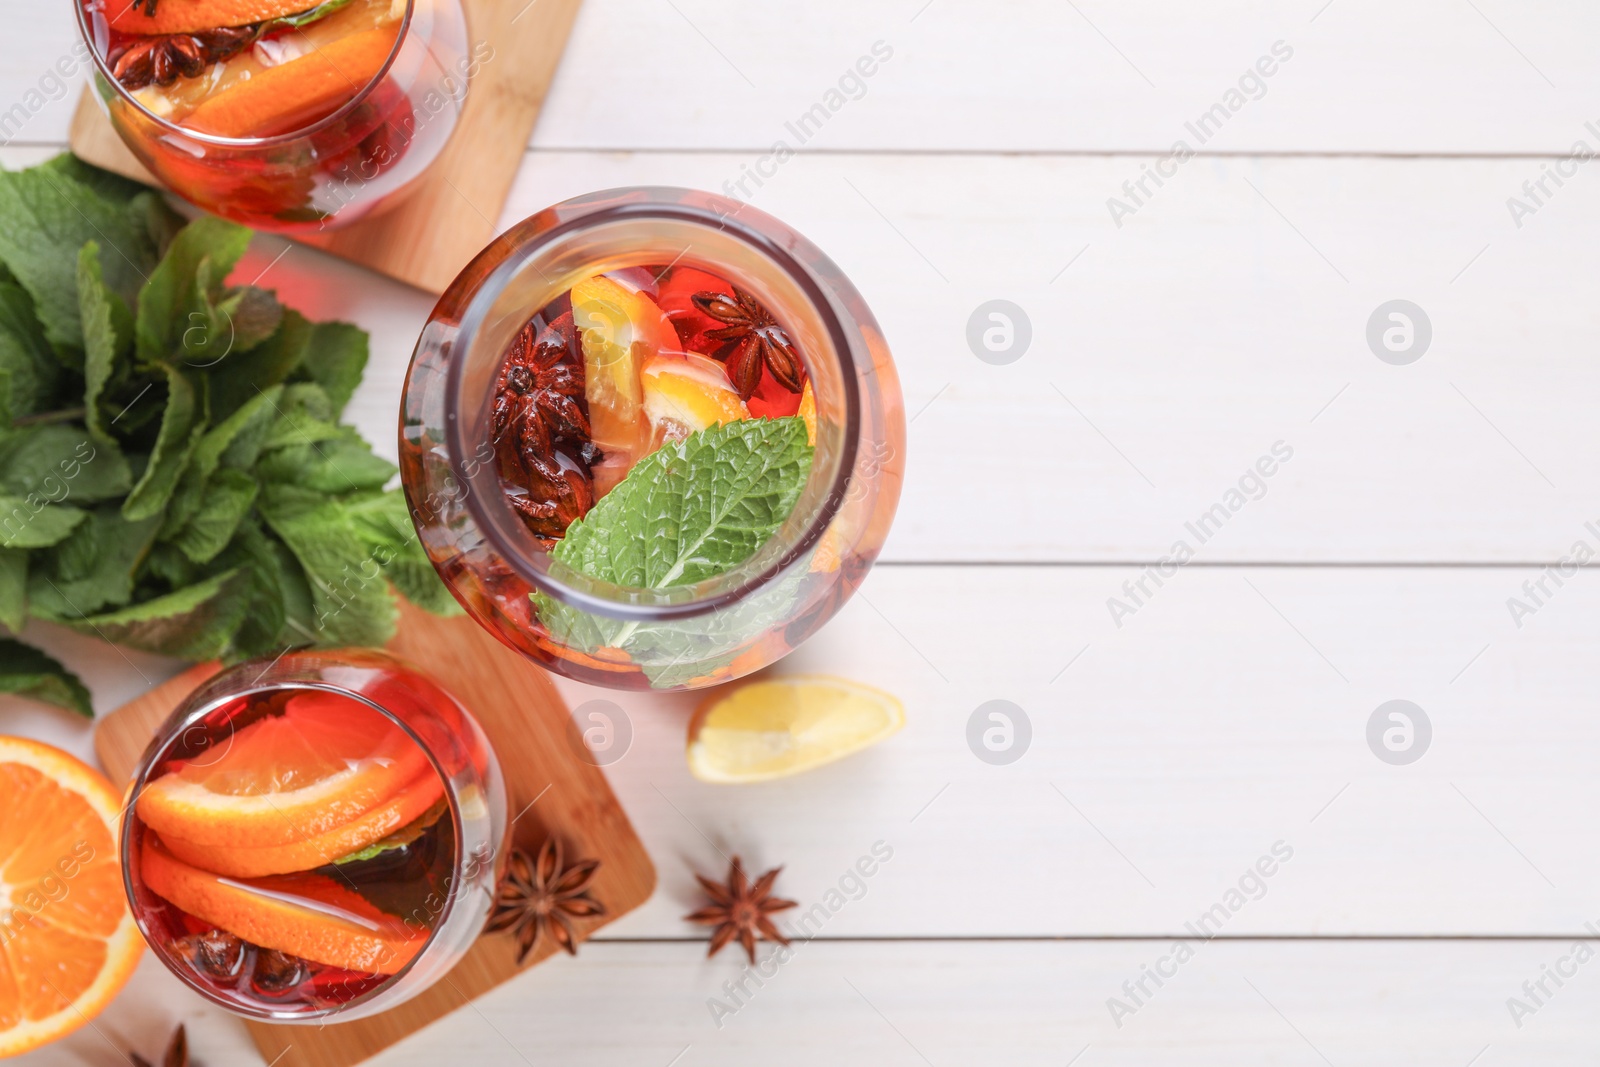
{"type": "Point", "coordinates": [314, 837]}
{"type": "Point", "coordinates": [618, 329]}
{"type": "Point", "coordinates": [286, 115]}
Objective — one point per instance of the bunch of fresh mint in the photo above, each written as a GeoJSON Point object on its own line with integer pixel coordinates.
{"type": "Point", "coordinates": [173, 472]}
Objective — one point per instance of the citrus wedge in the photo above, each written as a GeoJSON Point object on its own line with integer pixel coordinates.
{"type": "Point", "coordinates": [808, 412]}
{"type": "Point", "coordinates": [767, 730]}
{"type": "Point", "coordinates": [298, 93]}
{"type": "Point", "coordinates": [621, 330]}
{"type": "Point", "coordinates": [305, 915]}
{"type": "Point", "coordinates": [686, 393]}
{"type": "Point", "coordinates": [241, 861]}
{"type": "Point", "coordinates": [67, 940]}
{"type": "Point", "coordinates": [192, 16]}
{"type": "Point", "coordinates": [325, 761]}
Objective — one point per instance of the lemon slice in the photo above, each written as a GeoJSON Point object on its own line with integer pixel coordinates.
{"type": "Point", "coordinates": [767, 730]}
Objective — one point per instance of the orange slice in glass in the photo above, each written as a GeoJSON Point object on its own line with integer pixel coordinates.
{"type": "Point", "coordinates": [67, 940]}
{"type": "Point", "coordinates": [325, 761]}
{"type": "Point", "coordinates": [193, 16]}
{"type": "Point", "coordinates": [295, 94]}
{"type": "Point", "coordinates": [621, 330]}
{"type": "Point", "coordinates": [241, 861]}
{"type": "Point", "coordinates": [305, 915]}
{"type": "Point", "coordinates": [686, 393]}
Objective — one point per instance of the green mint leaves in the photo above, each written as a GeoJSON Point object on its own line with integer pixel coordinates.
{"type": "Point", "coordinates": [689, 511]}
{"type": "Point", "coordinates": [174, 475]}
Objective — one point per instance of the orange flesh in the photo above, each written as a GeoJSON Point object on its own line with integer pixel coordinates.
{"type": "Point", "coordinates": [67, 943]}
{"type": "Point", "coordinates": [295, 94]}
{"type": "Point", "coordinates": [191, 16]}
{"type": "Point", "coordinates": [326, 761]}
{"type": "Point", "coordinates": [243, 862]}
{"type": "Point", "coordinates": [304, 915]}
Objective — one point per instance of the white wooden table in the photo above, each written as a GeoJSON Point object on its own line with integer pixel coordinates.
{"type": "Point", "coordinates": [1228, 712]}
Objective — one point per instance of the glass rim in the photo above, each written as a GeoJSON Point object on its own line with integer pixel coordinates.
{"type": "Point", "coordinates": [104, 71]}
{"type": "Point", "coordinates": [661, 202]}
{"type": "Point", "coordinates": [125, 833]}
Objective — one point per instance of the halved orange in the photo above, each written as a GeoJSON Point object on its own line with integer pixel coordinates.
{"type": "Point", "coordinates": [297, 93]}
{"type": "Point", "coordinates": [325, 761]}
{"type": "Point", "coordinates": [305, 915]}
{"type": "Point", "coordinates": [242, 861]}
{"type": "Point", "coordinates": [191, 16]}
{"type": "Point", "coordinates": [67, 940]}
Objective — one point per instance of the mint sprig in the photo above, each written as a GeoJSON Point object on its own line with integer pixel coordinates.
{"type": "Point", "coordinates": [174, 475]}
{"type": "Point", "coordinates": [689, 511]}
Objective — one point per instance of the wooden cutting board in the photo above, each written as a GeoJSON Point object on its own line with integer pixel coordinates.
{"type": "Point", "coordinates": [546, 779]}
{"type": "Point", "coordinates": [428, 238]}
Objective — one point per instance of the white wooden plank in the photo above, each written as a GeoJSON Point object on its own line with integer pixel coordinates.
{"type": "Point", "coordinates": [1167, 757]}
{"type": "Point", "coordinates": [885, 1004]}
{"type": "Point", "coordinates": [1027, 75]}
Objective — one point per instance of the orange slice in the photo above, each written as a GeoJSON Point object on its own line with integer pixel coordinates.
{"type": "Point", "coordinates": [67, 940]}
{"type": "Point", "coordinates": [297, 93]}
{"type": "Point", "coordinates": [621, 330]}
{"type": "Point", "coordinates": [305, 915]}
{"type": "Point", "coordinates": [241, 861]}
{"type": "Point", "coordinates": [808, 412]}
{"type": "Point", "coordinates": [686, 393]}
{"type": "Point", "coordinates": [191, 16]}
{"type": "Point", "coordinates": [326, 761]}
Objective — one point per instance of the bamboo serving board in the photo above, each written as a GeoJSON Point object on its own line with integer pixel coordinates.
{"type": "Point", "coordinates": [428, 238]}
{"type": "Point", "coordinates": [557, 792]}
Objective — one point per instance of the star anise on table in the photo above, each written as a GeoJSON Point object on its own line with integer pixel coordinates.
{"type": "Point", "coordinates": [740, 909]}
{"type": "Point", "coordinates": [753, 338]}
{"type": "Point", "coordinates": [536, 422]}
{"type": "Point", "coordinates": [163, 58]}
{"type": "Point", "coordinates": [177, 1054]}
{"type": "Point", "coordinates": [541, 896]}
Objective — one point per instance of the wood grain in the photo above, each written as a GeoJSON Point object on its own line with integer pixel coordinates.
{"type": "Point", "coordinates": [455, 210]}
{"type": "Point", "coordinates": [550, 789]}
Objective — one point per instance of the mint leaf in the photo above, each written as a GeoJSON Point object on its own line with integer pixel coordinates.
{"type": "Point", "coordinates": [349, 595]}
{"type": "Point", "coordinates": [688, 511]}
{"type": "Point", "coordinates": [107, 337]}
{"type": "Point", "coordinates": [228, 497]}
{"type": "Point", "coordinates": [46, 215]}
{"type": "Point", "coordinates": [242, 376]}
{"type": "Point", "coordinates": [33, 372]}
{"type": "Point", "coordinates": [247, 316]}
{"type": "Point", "coordinates": [175, 300]}
{"type": "Point", "coordinates": [383, 523]}
{"type": "Point", "coordinates": [27, 672]}
{"type": "Point", "coordinates": [13, 588]}
{"type": "Point", "coordinates": [33, 522]}
{"type": "Point", "coordinates": [58, 461]}
{"type": "Point", "coordinates": [196, 622]}
{"type": "Point", "coordinates": [173, 445]}
{"type": "Point", "coordinates": [92, 569]}
{"type": "Point", "coordinates": [335, 359]}
{"type": "Point", "coordinates": [341, 464]}
{"type": "Point", "coordinates": [694, 508]}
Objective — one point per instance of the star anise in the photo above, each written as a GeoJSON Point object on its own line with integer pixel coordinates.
{"type": "Point", "coordinates": [162, 59]}
{"type": "Point", "coordinates": [740, 910]}
{"type": "Point", "coordinates": [753, 338]}
{"type": "Point", "coordinates": [177, 1054]}
{"type": "Point", "coordinates": [539, 896]}
{"type": "Point", "coordinates": [541, 434]}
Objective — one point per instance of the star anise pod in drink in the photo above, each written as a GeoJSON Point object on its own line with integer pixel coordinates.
{"type": "Point", "coordinates": [754, 339]}
{"type": "Point", "coordinates": [177, 1054]}
{"type": "Point", "coordinates": [162, 59]}
{"type": "Point", "coordinates": [740, 909]}
{"type": "Point", "coordinates": [541, 896]}
{"type": "Point", "coordinates": [541, 434]}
